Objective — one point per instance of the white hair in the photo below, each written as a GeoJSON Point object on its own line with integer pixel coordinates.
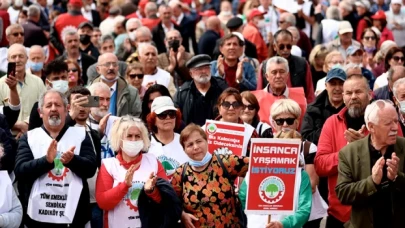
{"type": "Point", "coordinates": [12, 27]}
{"type": "Point", "coordinates": [119, 19]}
{"type": "Point", "coordinates": [68, 31]}
{"type": "Point", "coordinates": [294, 29]}
{"type": "Point", "coordinates": [33, 11]}
{"type": "Point", "coordinates": [133, 21]}
{"type": "Point", "coordinates": [277, 60]}
{"type": "Point", "coordinates": [143, 46]}
{"type": "Point", "coordinates": [97, 86]}
{"type": "Point", "coordinates": [398, 83]}
{"type": "Point", "coordinates": [371, 113]}
{"type": "Point", "coordinates": [143, 31]}
{"type": "Point", "coordinates": [351, 65]}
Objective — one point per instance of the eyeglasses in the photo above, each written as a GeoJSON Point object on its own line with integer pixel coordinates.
{"type": "Point", "coordinates": [74, 70]}
{"type": "Point", "coordinates": [133, 76]}
{"type": "Point", "coordinates": [113, 64]}
{"type": "Point", "coordinates": [227, 104]}
{"type": "Point", "coordinates": [289, 121]}
{"type": "Point", "coordinates": [249, 107]}
{"type": "Point", "coordinates": [18, 33]}
{"type": "Point", "coordinates": [369, 38]}
{"type": "Point", "coordinates": [163, 115]}
{"type": "Point", "coordinates": [397, 58]}
{"type": "Point", "coordinates": [282, 46]}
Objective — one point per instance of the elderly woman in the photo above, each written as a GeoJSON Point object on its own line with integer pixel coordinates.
{"type": "Point", "coordinates": [250, 115]}
{"type": "Point", "coordinates": [285, 115]}
{"type": "Point", "coordinates": [332, 60]}
{"type": "Point", "coordinates": [134, 76]}
{"type": "Point", "coordinates": [205, 183]}
{"type": "Point", "coordinates": [165, 143]}
{"type": "Point", "coordinates": [123, 180]}
{"type": "Point", "coordinates": [74, 73]}
{"type": "Point", "coordinates": [230, 107]}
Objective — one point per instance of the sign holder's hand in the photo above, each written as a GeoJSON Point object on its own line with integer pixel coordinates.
{"type": "Point", "coordinates": [52, 150]}
{"type": "Point", "coordinates": [66, 157]}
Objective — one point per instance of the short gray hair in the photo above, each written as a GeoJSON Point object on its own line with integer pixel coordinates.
{"type": "Point", "coordinates": [277, 60]}
{"type": "Point", "coordinates": [69, 31]}
{"type": "Point", "coordinates": [41, 100]}
{"type": "Point", "coordinates": [173, 31]}
{"type": "Point", "coordinates": [349, 66]}
{"type": "Point", "coordinates": [33, 11]}
{"type": "Point", "coordinates": [151, 7]}
{"type": "Point", "coordinates": [105, 38]}
{"type": "Point", "coordinates": [347, 6]}
{"type": "Point", "coordinates": [98, 86]}
{"type": "Point", "coordinates": [371, 113]}
{"type": "Point", "coordinates": [133, 21]}
{"type": "Point", "coordinates": [333, 13]}
{"type": "Point", "coordinates": [399, 82]}
{"type": "Point", "coordinates": [291, 19]}
{"type": "Point", "coordinates": [394, 70]}
{"type": "Point", "coordinates": [295, 29]}
{"type": "Point", "coordinates": [12, 27]}
{"type": "Point", "coordinates": [143, 46]}
{"type": "Point", "coordinates": [143, 31]}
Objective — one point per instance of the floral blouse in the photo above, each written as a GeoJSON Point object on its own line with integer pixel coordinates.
{"type": "Point", "coordinates": [207, 194]}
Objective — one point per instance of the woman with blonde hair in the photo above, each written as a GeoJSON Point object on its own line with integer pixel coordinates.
{"type": "Point", "coordinates": [317, 61]}
{"type": "Point", "coordinates": [134, 76]}
{"type": "Point", "coordinates": [132, 177]}
{"type": "Point", "coordinates": [332, 60]}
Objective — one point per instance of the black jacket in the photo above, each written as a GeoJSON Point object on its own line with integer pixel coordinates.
{"type": "Point", "coordinates": [9, 145]}
{"type": "Point", "coordinates": [187, 30]}
{"type": "Point", "coordinates": [207, 43]}
{"type": "Point", "coordinates": [33, 34]}
{"type": "Point", "coordinates": [167, 213]}
{"type": "Point", "coordinates": [189, 100]}
{"type": "Point", "coordinates": [86, 61]}
{"type": "Point", "coordinates": [96, 18]}
{"type": "Point", "coordinates": [159, 35]}
{"type": "Point", "coordinates": [28, 169]}
{"type": "Point", "coordinates": [316, 115]}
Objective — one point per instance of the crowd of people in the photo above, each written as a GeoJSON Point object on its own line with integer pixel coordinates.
{"type": "Point", "coordinates": [105, 103]}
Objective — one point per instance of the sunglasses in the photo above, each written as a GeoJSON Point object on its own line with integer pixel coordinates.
{"type": "Point", "coordinates": [131, 30]}
{"type": "Point", "coordinates": [369, 38]}
{"type": "Point", "coordinates": [227, 105]}
{"type": "Point", "coordinates": [133, 76]}
{"type": "Point", "coordinates": [289, 121]}
{"type": "Point", "coordinates": [18, 33]}
{"type": "Point", "coordinates": [74, 70]}
{"type": "Point", "coordinates": [250, 107]}
{"type": "Point", "coordinates": [170, 113]}
{"type": "Point", "coordinates": [282, 46]}
{"type": "Point", "coordinates": [397, 58]}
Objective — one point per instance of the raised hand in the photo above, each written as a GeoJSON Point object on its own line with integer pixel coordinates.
{"type": "Point", "coordinates": [220, 65]}
{"type": "Point", "coordinates": [66, 157]}
{"type": "Point", "coordinates": [150, 183]}
{"type": "Point", "coordinates": [392, 167]}
{"type": "Point", "coordinates": [377, 171]}
{"type": "Point", "coordinates": [52, 150]}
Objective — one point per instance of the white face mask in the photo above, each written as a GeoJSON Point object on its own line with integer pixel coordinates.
{"type": "Point", "coordinates": [401, 106]}
{"type": "Point", "coordinates": [60, 85]}
{"type": "Point", "coordinates": [132, 148]}
{"type": "Point", "coordinates": [261, 24]}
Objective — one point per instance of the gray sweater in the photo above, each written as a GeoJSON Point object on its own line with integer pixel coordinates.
{"type": "Point", "coordinates": [12, 218]}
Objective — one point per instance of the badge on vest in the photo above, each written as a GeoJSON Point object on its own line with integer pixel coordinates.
{"type": "Point", "coordinates": [169, 164]}
{"type": "Point", "coordinates": [60, 171]}
{"type": "Point", "coordinates": [131, 198]}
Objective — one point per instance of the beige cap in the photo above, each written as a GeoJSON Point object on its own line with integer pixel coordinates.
{"type": "Point", "coordinates": [345, 27]}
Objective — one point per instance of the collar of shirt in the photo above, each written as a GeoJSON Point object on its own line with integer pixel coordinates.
{"type": "Point", "coordinates": [113, 88]}
{"type": "Point", "coordinates": [179, 19]}
{"type": "Point", "coordinates": [166, 29]}
{"type": "Point", "coordinates": [285, 93]}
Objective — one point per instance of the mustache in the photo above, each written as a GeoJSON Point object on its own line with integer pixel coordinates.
{"type": "Point", "coordinates": [110, 71]}
{"type": "Point", "coordinates": [393, 133]}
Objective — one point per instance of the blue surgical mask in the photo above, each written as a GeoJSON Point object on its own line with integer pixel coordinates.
{"type": "Point", "coordinates": [35, 67]}
{"type": "Point", "coordinates": [109, 80]}
{"type": "Point", "coordinates": [401, 106]}
{"type": "Point", "coordinates": [60, 85]}
{"type": "Point", "coordinates": [204, 161]}
{"type": "Point", "coordinates": [337, 66]}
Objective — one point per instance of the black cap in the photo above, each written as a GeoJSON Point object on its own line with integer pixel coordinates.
{"type": "Point", "coordinates": [199, 60]}
{"type": "Point", "coordinates": [86, 24]}
{"type": "Point", "coordinates": [234, 23]}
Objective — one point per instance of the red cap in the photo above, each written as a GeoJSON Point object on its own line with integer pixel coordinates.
{"type": "Point", "coordinates": [76, 2]}
{"type": "Point", "coordinates": [379, 15]}
{"type": "Point", "coordinates": [208, 13]}
{"type": "Point", "coordinates": [142, 4]}
{"type": "Point", "coordinates": [255, 12]}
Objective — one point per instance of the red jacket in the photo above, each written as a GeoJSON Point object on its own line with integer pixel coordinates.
{"type": "Point", "coordinates": [6, 22]}
{"type": "Point", "coordinates": [251, 33]}
{"type": "Point", "coordinates": [362, 24]}
{"type": "Point", "coordinates": [386, 34]}
{"type": "Point", "coordinates": [150, 22]}
{"type": "Point", "coordinates": [65, 20]}
{"type": "Point", "coordinates": [326, 161]}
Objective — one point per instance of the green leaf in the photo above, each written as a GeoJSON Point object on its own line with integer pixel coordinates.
{"type": "Point", "coordinates": [58, 164]}
{"type": "Point", "coordinates": [167, 166]}
{"type": "Point", "coordinates": [135, 194]}
{"type": "Point", "coordinates": [272, 189]}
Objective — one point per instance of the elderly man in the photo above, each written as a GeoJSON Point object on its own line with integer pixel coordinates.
{"type": "Point", "coordinates": [385, 92]}
{"type": "Point", "coordinates": [128, 46]}
{"type": "Point", "coordinates": [371, 171]}
{"type": "Point", "coordinates": [300, 71]}
{"type": "Point", "coordinates": [33, 33]}
{"type": "Point", "coordinates": [208, 40]}
{"type": "Point", "coordinates": [340, 129]}
{"type": "Point", "coordinates": [201, 93]}
{"type": "Point", "coordinates": [396, 22]}
{"type": "Point", "coordinates": [29, 87]}
{"type": "Point", "coordinates": [141, 35]}
{"type": "Point", "coordinates": [345, 39]}
{"type": "Point", "coordinates": [57, 160]}
{"type": "Point", "coordinates": [237, 74]}
{"type": "Point", "coordinates": [174, 60]}
{"type": "Point", "coordinates": [153, 74]}
{"type": "Point", "coordinates": [399, 98]}
{"type": "Point", "coordinates": [107, 45]}
{"type": "Point", "coordinates": [70, 39]}
{"type": "Point", "coordinates": [14, 35]}
{"type": "Point", "coordinates": [277, 74]}
{"type": "Point", "coordinates": [252, 33]}
{"type": "Point", "coordinates": [124, 99]}
{"type": "Point", "coordinates": [151, 20]}
{"type": "Point", "coordinates": [165, 25]}
{"type": "Point", "coordinates": [85, 31]}
{"type": "Point", "coordinates": [36, 60]}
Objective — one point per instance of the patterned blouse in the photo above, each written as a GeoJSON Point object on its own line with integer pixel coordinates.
{"type": "Point", "coordinates": [207, 194]}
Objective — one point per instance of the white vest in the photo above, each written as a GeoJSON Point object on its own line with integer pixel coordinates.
{"type": "Point", "coordinates": [6, 193]}
{"type": "Point", "coordinates": [126, 214]}
{"type": "Point", "coordinates": [170, 155]}
{"type": "Point", "coordinates": [55, 195]}
{"type": "Point", "coordinates": [329, 30]}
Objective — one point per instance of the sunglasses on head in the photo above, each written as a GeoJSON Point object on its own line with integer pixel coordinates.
{"type": "Point", "coordinates": [133, 76]}
{"type": "Point", "coordinates": [227, 104]}
{"type": "Point", "coordinates": [369, 37]}
{"type": "Point", "coordinates": [170, 113]}
{"type": "Point", "coordinates": [74, 70]}
{"type": "Point", "coordinates": [397, 58]}
{"type": "Point", "coordinates": [289, 121]}
{"type": "Point", "coordinates": [282, 46]}
{"type": "Point", "coordinates": [250, 107]}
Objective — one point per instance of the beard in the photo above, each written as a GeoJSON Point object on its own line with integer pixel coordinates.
{"type": "Point", "coordinates": [98, 112]}
{"type": "Point", "coordinates": [54, 121]}
{"type": "Point", "coordinates": [203, 79]}
{"type": "Point", "coordinates": [355, 112]}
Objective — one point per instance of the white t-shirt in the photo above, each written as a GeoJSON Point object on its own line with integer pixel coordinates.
{"type": "Point", "coordinates": [161, 77]}
{"type": "Point", "coordinates": [381, 81]}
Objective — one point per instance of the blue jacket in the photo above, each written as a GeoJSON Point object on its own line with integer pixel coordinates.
{"type": "Point", "coordinates": [249, 76]}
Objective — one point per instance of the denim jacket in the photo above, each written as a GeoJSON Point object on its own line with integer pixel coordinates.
{"type": "Point", "coordinates": [249, 76]}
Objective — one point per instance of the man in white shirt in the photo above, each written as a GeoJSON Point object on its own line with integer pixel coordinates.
{"type": "Point", "coordinates": [14, 35]}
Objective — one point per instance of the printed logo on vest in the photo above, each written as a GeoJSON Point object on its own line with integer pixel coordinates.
{"type": "Point", "coordinates": [131, 198]}
{"type": "Point", "coordinates": [211, 128]}
{"type": "Point", "coordinates": [272, 189]}
{"type": "Point", "coordinates": [59, 171]}
{"type": "Point", "coordinates": [169, 164]}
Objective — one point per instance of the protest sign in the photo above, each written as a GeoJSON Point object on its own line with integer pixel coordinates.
{"type": "Point", "coordinates": [225, 138]}
{"type": "Point", "coordinates": [273, 180]}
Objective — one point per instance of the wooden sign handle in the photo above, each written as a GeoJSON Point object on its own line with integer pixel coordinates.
{"type": "Point", "coordinates": [268, 219]}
